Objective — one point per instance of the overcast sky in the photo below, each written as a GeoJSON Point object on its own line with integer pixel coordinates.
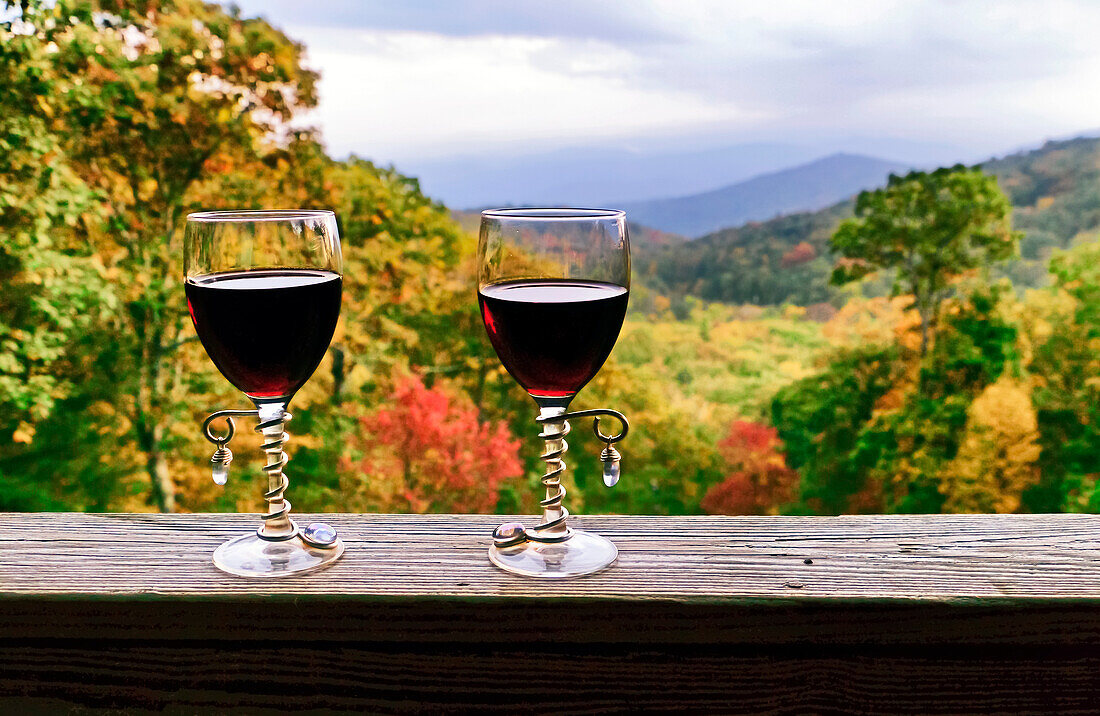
{"type": "Point", "coordinates": [409, 80]}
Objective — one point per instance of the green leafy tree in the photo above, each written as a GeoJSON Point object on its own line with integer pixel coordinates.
{"type": "Point", "coordinates": [930, 228]}
{"type": "Point", "coordinates": [51, 287]}
{"type": "Point", "coordinates": [904, 450]}
{"type": "Point", "coordinates": [820, 421]}
{"type": "Point", "coordinates": [1065, 365]}
{"type": "Point", "coordinates": [143, 101]}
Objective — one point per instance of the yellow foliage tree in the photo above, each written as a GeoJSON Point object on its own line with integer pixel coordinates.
{"type": "Point", "coordinates": [997, 459]}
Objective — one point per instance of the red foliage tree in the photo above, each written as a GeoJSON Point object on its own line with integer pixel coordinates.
{"type": "Point", "coordinates": [760, 480]}
{"type": "Point", "coordinates": [799, 254]}
{"type": "Point", "coordinates": [427, 452]}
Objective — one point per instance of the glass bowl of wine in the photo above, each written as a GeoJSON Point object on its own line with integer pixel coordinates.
{"type": "Point", "coordinates": [264, 291]}
{"type": "Point", "coordinates": [553, 286]}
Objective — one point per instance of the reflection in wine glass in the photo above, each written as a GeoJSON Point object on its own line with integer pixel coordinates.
{"type": "Point", "coordinates": [553, 286]}
{"type": "Point", "coordinates": [264, 290]}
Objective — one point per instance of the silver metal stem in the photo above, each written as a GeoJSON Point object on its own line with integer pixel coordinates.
{"type": "Point", "coordinates": [277, 523]}
{"type": "Point", "coordinates": [554, 527]}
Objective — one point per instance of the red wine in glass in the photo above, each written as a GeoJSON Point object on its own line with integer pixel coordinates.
{"type": "Point", "coordinates": [553, 285]}
{"type": "Point", "coordinates": [265, 329]}
{"type": "Point", "coordinates": [553, 335]}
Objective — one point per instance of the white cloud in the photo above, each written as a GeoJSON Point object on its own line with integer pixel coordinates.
{"type": "Point", "coordinates": [534, 75]}
{"type": "Point", "coordinates": [405, 93]}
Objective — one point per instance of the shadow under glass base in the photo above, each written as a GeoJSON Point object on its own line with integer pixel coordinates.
{"type": "Point", "coordinates": [250, 556]}
{"type": "Point", "coordinates": [583, 553]}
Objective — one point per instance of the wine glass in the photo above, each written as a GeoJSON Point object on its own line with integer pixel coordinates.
{"type": "Point", "coordinates": [553, 287]}
{"type": "Point", "coordinates": [264, 289]}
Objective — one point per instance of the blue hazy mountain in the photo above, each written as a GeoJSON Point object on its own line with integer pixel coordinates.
{"type": "Point", "coordinates": [595, 176]}
{"type": "Point", "coordinates": [807, 187]}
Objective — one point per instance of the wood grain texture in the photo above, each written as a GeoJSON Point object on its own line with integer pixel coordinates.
{"type": "Point", "coordinates": [1007, 559]}
{"type": "Point", "coordinates": [937, 614]}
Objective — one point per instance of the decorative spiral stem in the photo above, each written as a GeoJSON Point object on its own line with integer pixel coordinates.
{"type": "Point", "coordinates": [277, 523]}
{"type": "Point", "coordinates": [554, 527]}
{"type": "Point", "coordinates": [555, 426]}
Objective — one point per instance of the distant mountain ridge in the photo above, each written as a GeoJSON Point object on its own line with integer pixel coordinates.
{"type": "Point", "coordinates": [615, 171]}
{"type": "Point", "coordinates": [1054, 189]}
{"type": "Point", "coordinates": [807, 187]}
{"type": "Point", "coordinates": [588, 176]}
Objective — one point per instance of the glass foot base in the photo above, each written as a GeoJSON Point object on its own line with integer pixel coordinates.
{"type": "Point", "coordinates": [250, 556]}
{"type": "Point", "coordinates": [583, 553]}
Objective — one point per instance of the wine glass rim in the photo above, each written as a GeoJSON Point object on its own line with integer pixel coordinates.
{"type": "Point", "coordinates": [261, 215]}
{"type": "Point", "coordinates": [559, 213]}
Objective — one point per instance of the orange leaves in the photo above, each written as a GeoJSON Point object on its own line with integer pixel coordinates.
{"type": "Point", "coordinates": [260, 62]}
{"type": "Point", "coordinates": [761, 481]}
{"type": "Point", "coordinates": [218, 164]}
{"type": "Point", "coordinates": [799, 254]}
{"type": "Point", "coordinates": [426, 451]}
{"type": "Point", "coordinates": [752, 446]}
{"type": "Point", "coordinates": [877, 321]}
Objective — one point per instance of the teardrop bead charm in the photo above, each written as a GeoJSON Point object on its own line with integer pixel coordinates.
{"type": "Point", "coordinates": [219, 464]}
{"type": "Point", "coordinates": [611, 473]}
{"type": "Point", "coordinates": [611, 469]}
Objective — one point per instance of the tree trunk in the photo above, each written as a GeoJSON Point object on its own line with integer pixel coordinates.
{"type": "Point", "coordinates": [925, 323]}
{"type": "Point", "coordinates": [149, 406]}
{"type": "Point", "coordinates": [164, 490]}
{"type": "Point", "coordinates": [149, 438]}
{"type": "Point", "coordinates": [338, 376]}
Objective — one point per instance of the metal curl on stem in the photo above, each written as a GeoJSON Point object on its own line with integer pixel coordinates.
{"type": "Point", "coordinates": [230, 427]}
{"type": "Point", "coordinates": [595, 414]}
{"type": "Point", "coordinates": [277, 525]}
{"type": "Point", "coordinates": [555, 427]}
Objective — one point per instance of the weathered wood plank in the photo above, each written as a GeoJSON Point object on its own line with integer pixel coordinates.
{"type": "Point", "coordinates": [1009, 559]}
{"type": "Point", "coordinates": [755, 615]}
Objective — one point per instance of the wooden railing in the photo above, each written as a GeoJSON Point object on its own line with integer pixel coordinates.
{"type": "Point", "coordinates": [937, 614]}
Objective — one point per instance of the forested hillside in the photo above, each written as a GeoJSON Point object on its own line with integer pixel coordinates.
{"type": "Point", "coordinates": [1055, 191]}
{"type": "Point", "coordinates": [115, 123]}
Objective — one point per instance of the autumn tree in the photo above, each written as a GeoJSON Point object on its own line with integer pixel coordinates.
{"type": "Point", "coordinates": [760, 481]}
{"type": "Point", "coordinates": [426, 451]}
{"type": "Point", "coordinates": [800, 253]}
{"type": "Point", "coordinates": [998, 456]}
{"type": "Point", "coordinates": [929, 228]}
{"type": "Point", "coordinates": [903, 451]}
{"type": "Point", "coordinates": [143, 101]}
{"type": "Point", "coordinates": [401, 275]}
